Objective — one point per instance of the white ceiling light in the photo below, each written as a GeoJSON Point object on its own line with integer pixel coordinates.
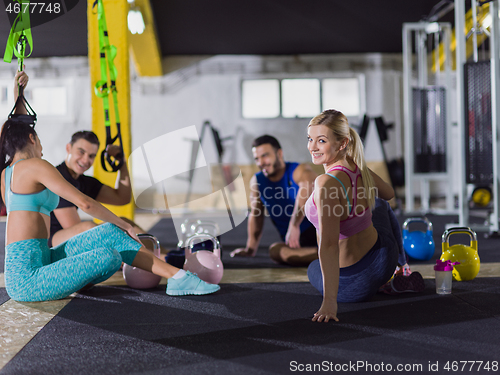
{"type": "Point", "coordinates": [135, 21]}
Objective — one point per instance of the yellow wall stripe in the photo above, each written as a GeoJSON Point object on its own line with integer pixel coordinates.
{"type": "Point", "coordinates": [145, 47]}
{"type": "Point", "coordinates": [116, 19]}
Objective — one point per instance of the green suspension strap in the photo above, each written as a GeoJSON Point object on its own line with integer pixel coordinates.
{"type": "Point", "coordinates": [20, 32]}
{"type": "Point", "coordinates": [19, 37]}
{"type": "Point", "coordinates": [101, 89]}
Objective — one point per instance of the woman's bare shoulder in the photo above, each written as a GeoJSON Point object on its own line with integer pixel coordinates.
{"type": "Point", "coordinates": [37, 168]}
{"type": "Point", "coordinates": [37, 163]}
{"type": "Point", "coordinates": [325, 180]}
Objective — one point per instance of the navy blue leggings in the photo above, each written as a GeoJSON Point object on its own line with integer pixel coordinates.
{"type": "Point", "coordinates": [361, 281]}
{"type": "Point", "coordinates": [36, 272]}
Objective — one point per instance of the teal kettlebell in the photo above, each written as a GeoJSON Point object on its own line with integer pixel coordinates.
{"type": "Point", "coordinates": [418, 244]}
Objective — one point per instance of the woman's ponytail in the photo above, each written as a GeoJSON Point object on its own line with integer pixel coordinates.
{"type": "Point", "coordinates": [355, 150]}
{"type": "Point", "coordinates": [13, 137]}
{"type": "Point", "coordinates": [3, 145]}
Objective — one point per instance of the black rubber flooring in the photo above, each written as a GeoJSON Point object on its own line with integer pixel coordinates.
{"type": "Point", "coordinates": [263, 329]}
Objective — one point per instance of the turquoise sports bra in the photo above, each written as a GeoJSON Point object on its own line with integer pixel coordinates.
{"type": "Point", "coordinates": [44, 201]}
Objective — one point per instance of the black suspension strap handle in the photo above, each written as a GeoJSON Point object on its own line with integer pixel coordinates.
{"type": "Point", "coordinates": [115, 162]}
{"type": "Point", "coordinates": [29, 118]}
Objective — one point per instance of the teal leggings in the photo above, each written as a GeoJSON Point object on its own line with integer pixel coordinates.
{"type": "Point", "coordinates": [35, 272]}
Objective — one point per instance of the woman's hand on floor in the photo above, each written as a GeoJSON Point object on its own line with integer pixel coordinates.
{"type": "Point", "coordinates": [243, 252]}
{"type": "Point", "coordinates": [326, 312]}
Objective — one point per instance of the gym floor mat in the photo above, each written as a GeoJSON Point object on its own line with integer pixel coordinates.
{"type": "Point", "coordinates": [254, 326]}
{"type": "Point", "coordinates": [261, 329]}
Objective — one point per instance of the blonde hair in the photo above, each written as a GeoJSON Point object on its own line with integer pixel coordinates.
{"type": "Point", "coordinates": [338, 124]}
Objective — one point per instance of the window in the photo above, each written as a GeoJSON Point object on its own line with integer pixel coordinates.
{"type": "Point", "coordinates": [260, 98]}
{"type": "Point", "coordinates": [342, 94]}
{"type": "Point", "coordinates": [4, 94]}
{"type": "Point", "coordinates": [49, 100]}
{"type": "Point", "coordinates": [301, 97]}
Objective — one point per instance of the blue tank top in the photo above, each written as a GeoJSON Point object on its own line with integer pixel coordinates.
{"type": "Point", "coordinates": [279, 199]}
{"type": "Point", "coordinates": [44, 201]}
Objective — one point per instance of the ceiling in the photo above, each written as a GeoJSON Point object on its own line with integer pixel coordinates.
{"type": "Point", "coordinates": [263, 27]}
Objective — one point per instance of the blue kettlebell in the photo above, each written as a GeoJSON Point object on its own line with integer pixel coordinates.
{"type": "Point", "coordinates": [418, 244]}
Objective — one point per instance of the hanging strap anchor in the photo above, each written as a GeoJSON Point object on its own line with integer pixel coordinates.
{"type": "Point", "coordinates": [20, 31]}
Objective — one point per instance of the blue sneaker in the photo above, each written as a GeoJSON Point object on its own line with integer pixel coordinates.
{"type": "Point", "coordinates": [190, 284]}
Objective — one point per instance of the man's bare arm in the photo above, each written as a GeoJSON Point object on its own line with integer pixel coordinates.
{"type": "Point", "coordinates": [121, 194]}
{"type": "Point", "coordinates": [255, 222]}
{"type": "Point", "coordinates": [304, 176]}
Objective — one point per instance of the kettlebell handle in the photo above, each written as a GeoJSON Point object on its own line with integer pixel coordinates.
{"type": "Point", "coordinates": [201, 226]}
{"type": "Point", "coordinates": [417, 219]}
{"type": "Point", "coordinates": [464, 230]}
{"type": "Point", "coordinates": [202, 237]}
{"type": "Point", "coordinates": [187, 230]}
{"type": "Point", "coordinates": [156, 243]}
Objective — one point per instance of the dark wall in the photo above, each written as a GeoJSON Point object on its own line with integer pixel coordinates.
{"type": "Point", "coordinates": [284, 26]}
{"type": "Point", "coordinates": [267, 27]}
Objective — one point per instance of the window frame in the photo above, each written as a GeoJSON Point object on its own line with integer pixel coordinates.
{"type": "Point", "coordinates": [352, 119]}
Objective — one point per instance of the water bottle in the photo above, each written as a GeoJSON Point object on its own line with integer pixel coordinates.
{"type": "Point", "coordinates": [443, 270]}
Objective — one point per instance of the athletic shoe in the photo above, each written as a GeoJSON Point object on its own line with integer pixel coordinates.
{"type": "Point", "coordinates": [412, 283]}
{"type": "Point", "coordinates": [387, 288]}
{"type": "Point", "coordinates": [189, 284]}
{"type": "Point", "coordinates": [402, 270]}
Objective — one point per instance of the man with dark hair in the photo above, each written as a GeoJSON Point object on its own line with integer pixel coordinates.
{"type": "Point", "coordinates": [81, 152]}
{"type": "Point", "coordinates": [263, 139]}
{"type": "Point", "coordinates": [281, 188]}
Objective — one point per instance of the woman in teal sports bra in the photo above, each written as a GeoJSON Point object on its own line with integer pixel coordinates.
{"type": "Point", "coordinates": [30, 188]}
{"type": "Point", "coordinates": [359, 239]}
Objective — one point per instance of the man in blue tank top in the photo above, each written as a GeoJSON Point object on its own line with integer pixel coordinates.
{"type": "Point", "coordinates": [280, 188]}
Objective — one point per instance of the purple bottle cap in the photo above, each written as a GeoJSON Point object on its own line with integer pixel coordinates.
{"type": "Point", "coordinates": [446, 265]}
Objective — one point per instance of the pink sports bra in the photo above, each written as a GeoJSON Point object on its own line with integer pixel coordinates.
{"type": "Point", "coordinates": [354, 223]}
